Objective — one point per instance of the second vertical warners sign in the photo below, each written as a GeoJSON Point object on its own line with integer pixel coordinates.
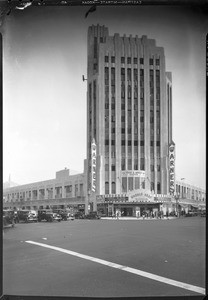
{"type": "Point", "coordinates": [93, 165]}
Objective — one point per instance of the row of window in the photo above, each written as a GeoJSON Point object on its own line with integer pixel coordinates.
{"type": "Point", "coordinates": [113, 187]}
{"type": "Point", "coordinates": [129, 143]}
{"type": "Point", "coordinates": [130, 60]}
{"type": "Point", "coordinates": [123, 118]}
{"type": "Point", "coordinates": [58, 191]}
{"type": "Point", "coordinates": [135, 74]}
{"type": "Point", "coordinates": [129, 162]}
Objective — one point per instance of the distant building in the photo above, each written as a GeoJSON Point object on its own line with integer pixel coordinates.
{"type": "Point", "coordinates": [9, 183]}
{"type": "Point", "coordinates": [64, 191]}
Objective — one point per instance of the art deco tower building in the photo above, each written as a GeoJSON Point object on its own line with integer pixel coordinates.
{"type": "Point", "coordinates": [129, 113]}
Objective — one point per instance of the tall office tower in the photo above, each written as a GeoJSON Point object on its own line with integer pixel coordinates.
{"type": "Point", "coordinates": [129, 109]}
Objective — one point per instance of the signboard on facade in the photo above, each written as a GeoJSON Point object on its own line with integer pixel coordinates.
{"type": "Point", "coordinates": [172, 168]}
{"type": "Point", "coordinates": [141, 196]}
{"type": "Point", "coordinates": [133, 173]}
{"type": "Point", "coordinates": [93, 165]}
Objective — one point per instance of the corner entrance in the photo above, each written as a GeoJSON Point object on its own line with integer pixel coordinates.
{"type": "Point", "coordinates": [127, 211]}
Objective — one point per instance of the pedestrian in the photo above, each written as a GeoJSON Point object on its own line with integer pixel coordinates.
{"type": "Point", "coordinates": [167, 214]}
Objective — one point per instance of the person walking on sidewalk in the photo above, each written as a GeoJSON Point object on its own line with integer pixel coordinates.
{"type": "Point", "coordinates": [117, 215]}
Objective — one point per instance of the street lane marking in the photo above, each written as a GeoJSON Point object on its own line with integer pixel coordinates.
{"type": "Point", "coordinates": [179, 284]}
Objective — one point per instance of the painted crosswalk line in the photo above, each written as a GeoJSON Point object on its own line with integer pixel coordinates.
{"type": "Point", "coordinates": [165, 280]}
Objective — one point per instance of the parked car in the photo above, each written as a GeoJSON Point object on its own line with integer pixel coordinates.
{"type": "Point", "coordinates": [92, 215]}
{"type": "Point", "coordinates": [8, 218]}
{"type": "Point", "coordinates": [26, 216]}
{"type": "Point", "coordinates": [79, 215]}
{"type": "Point", "coordinates": [62, 213]}
{"type": "Point", "coordinates": [70, 216]}
{"type": "Point", "coordinates": [102, 214]}
{"type": "Point", "coordinates": [56, 217]}
{"type": "Point", "coordinates": [203, 214]}
{"type": "Point", "coordinates": [191, 214]}
{"type": "Point", "coordinates": [45, 215]}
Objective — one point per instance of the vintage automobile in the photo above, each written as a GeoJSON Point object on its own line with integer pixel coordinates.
{"type": "Point", "coordinates": [8, 218]}
{"type": "Point", "coordinates": [56, 217]}
{"type": "Point", "coordinates": [79, 215]}
{"type": "Point", "coordinates": [48, 215]}
{"type": "Point", "coordinates": [62, 213]}
{"type": "Point", "coordinates": [45, 215]}
{"type": "Point", "coordinates": [26, 216]}
{"type": "Point", "coordinates": [92, 215]}
{"type": "Point", "coordinates": [70, 216]}
{"type": "Point", "coordinates": [191, 213]}
{"type": "Point", "coordinates": [203, 213]}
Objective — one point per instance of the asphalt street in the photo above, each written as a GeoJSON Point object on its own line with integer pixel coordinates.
{"type": "Point", "coordinates": [172, 249]}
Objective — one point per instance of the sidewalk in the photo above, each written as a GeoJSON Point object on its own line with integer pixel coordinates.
{"type": "Point", "coordinates": [137, 219]}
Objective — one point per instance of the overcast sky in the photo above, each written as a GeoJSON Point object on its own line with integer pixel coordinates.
{"type": "Point", "coordinates": [44, 98]}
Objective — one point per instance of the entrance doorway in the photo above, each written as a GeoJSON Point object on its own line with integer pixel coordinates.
{"type": "Point", "coordinates": [127, 211]}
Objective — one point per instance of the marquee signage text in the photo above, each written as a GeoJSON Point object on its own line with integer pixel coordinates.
{"type": "Point", "coordinates": [172, 168]}
{"type": "Point", "coordinates": [133, 173]}
{"type": "Point", "coordinates": [93, 165]}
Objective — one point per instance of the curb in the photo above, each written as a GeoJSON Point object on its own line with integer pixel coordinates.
{"type": "Point", "coordinates": [137, 219]}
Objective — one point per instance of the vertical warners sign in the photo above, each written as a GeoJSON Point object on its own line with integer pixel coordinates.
{"type": "Point", "coordinates": [172, 167]}
{"type": "Point", "coordinates": [93, 166]}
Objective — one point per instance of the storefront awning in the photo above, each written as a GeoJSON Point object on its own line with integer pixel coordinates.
{"type": "Point", "coordinates": [194, 205]}
{"type": "Point", "coordinates": [184, 205]}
